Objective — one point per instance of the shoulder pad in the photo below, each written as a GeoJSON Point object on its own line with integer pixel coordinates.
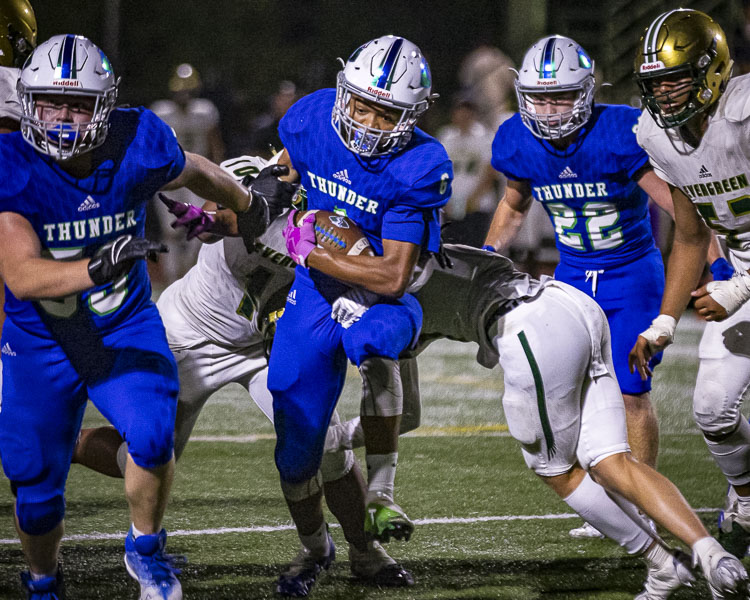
{"type": "Point", "coordinates": [621, 127]}
{"type": "Point", "coordinates": [307, 108]}
{"type": "Point", "coordinates": [9, 104]}
{"type": "Point", "coordinates": [155, 140]}
{"type": "Point", "coordinates": [421, 157]}
{"type": "Point", "coordinates": [14, 168]}
{"type": "Point", "coordinates": [506, 152]}
{"type": "Point", "coordinates": [734, 105]}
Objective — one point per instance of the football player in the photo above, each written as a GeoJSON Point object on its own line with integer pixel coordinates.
{"type": "Point", "coordinates": [217, 323]}
{"type": "Point", "coordinates": [563, 404]}
{"type": "Point", "coordinates": [79, 315]}
{"type": "Point", "coordinates": [357, 151]}
{"type": "Point", "coordinates": [695, 129]}
{"type": "Point", "coordinates": [17, 40]}
{"type": "Point", "coordinates": [582, 162]}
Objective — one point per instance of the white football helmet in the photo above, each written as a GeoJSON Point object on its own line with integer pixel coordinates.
{"type": "Point", "coordinates": [68, 65]}
{"type": "Point", "coordinates": [555, 64]}
{"type": "Point", "coordinates": [391, 71]}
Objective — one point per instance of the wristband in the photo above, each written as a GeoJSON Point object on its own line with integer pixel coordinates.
{"type": "Point", "coordinates": [661, 326]}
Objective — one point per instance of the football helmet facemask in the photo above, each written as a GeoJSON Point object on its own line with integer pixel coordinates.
{"type": "Point", "coordinates": [70, 66]}
{"type": "Point", "coordinates": [682, 44]}
{"type": "Point", "coordinates": [391, 72]}
{"type": "Point", "coordinates": [555, 64]}
{"type": "Point", "coordinates": [17, 32]}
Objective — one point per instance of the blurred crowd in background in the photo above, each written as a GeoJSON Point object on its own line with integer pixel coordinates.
{"type": "Point", "coordinates": [215, 99]}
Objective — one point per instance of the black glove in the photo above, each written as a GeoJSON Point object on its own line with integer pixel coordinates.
{"type": "Point", "coordinates": [118, 256]}
{"type": "Point", "coordinates": [270, 198]}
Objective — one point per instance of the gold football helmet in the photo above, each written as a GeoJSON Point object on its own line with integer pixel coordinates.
{"type": "Point", "coordinates": [17, 32]}
{"type": "Point", "coordinates": [680, 45]}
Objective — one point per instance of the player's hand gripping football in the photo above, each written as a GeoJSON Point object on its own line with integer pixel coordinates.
{"type": "Point", "coordinates": [117, 257]}
{"type": "Point", "coordinates": [300, 240]}
{"type": "Point", "coordinates": [652, 341]}
{"type": "Point", "coordinates": [191, 217]}
{"type": "Point", "coordinates": [270, 198]}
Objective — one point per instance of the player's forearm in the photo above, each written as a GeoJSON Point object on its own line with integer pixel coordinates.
{"type": "Point", "coordinates": [209, 181]}
{"type": "Point", "coordinates": [684, 270]}
{"type": "Point", "coordinates": [714, 250]}
{"type": "Point", "coordinates": [375, 273]}
{"type": "Point", "coordinates": [505, 226]}
{"type": "Point", "coordinates": [41, 278]}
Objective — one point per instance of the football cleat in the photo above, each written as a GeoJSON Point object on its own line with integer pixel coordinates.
{"type": "Point", "coordinates": [376, 567]}
{"type": "Point", "coordinates": [662, 581]}
{"type": "Point", "coordinates": [303, 571]}
{"type": "Point", "coordinates": [587, 530]}
{"type": "Point", "coordinates": [151, 567]}
{"type": "Point", "coordinates": [730, 505]}
{"type": "Point", "coordinates": [49, 588]}
{"type": "Point", "coordinates": [734, 533]}
{"type": "Point", "coordinates": [727, 578]}
{"type": "Point", "coordinates": [384, 519]}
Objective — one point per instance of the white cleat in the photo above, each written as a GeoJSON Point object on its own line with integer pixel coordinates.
{"type": "Point", "coordinates": [662, 581]}
{"type": "Point", "coordinates": [376, 567]}
{"type": "Point", "coordinates": [586, 531]}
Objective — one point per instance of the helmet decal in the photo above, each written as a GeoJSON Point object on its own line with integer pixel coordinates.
{"type": "Point", "coordinates": [67, 65]}
{"type": "Point", "coordinates": [385, 71]}
{"type": "Point", "coordinates": [547, 68]}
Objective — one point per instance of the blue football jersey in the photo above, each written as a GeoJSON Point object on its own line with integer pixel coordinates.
{"type": "Point", "coordinates": [74, 217]}
{"type": "Point", "coordinates": [599, 213]}
{"type": "Point", "coordinates": [395, 197]}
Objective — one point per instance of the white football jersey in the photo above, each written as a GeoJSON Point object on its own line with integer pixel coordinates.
{"type": "Point", "coordinates": [716, 174]}
{"type": "Point", "coordinates": [229, 292]}
{"type": "Point", "coordinates": [9, 103]}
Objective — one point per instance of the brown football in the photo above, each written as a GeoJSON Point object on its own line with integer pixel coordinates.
{"type": "Point", "coordinates": [338, 233]}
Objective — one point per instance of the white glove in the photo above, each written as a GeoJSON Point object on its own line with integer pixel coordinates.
{"type": "Point", "coordinates": [349, 307]}
{"type": "Point", "coordinates": [731, 293]}
{"type": "Point", "coordinates": [661, 326]}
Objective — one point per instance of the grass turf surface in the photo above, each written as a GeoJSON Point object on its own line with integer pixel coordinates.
{"type": "Point", "coordinates": [486, 527]}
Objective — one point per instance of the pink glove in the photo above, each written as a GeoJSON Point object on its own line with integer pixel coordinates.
{"type": "Point", "coordinates": [194, 219]}
{"type": "Point", "coordinates": [300, 241]}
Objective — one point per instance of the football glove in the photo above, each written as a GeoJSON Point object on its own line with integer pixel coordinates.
{"type": "Point", "coordinates": [300, 241]}
{"type": "Point", "coordinates": [348, 308]}
{"type": "Point", "coordinates": [270, 198]}
{"type": "Point", "coordinates": [194, 219]}
{"type": "Point", "coordinates": [117, 257]}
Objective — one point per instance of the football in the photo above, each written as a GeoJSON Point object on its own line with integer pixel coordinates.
{"type": "Point", "coordinates": [338, 233]}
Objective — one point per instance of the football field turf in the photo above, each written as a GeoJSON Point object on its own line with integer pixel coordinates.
{"type": "Point", "coordinates": [486, 527]}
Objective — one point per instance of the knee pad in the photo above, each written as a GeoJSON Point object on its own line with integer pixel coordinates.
{"type": "Point", "coordinates": [41, 516]}
{"type": "Point", "coordinates": [152, 448]}
{"type": "Point", "coordinates": [336, 464]}
{"type": "Point", "coordinates": [296, 492]}
{"type": "Point", "coordinates": [715, 411]}
{"type": "Point", "coordinates": [382, 392]}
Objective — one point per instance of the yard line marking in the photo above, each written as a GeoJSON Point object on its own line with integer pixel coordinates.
{"type": "Point", "coordinates": [287, 527]}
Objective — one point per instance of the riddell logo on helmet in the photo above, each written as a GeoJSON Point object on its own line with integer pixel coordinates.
{"type": "Point", "coordinates": [545, 82]}
{"type": "Point", "coordinates": [378, 92]}
{"type": "Point", "coordinates": [67, 82]}
{"type": "Point", "coordinates": [652, 66]}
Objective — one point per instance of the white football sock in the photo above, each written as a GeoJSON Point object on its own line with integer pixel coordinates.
{"type": "Point", "coordinates": [593, 503]}
{"type": "Point", "coordinates": [381, 473]}
{"type": "Point", "coordinates": [317, 542]}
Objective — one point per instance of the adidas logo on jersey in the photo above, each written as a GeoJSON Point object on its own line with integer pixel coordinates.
{"type": "Point", "coordinates": [704, 173]}
{"type": "Point", "coordinates": [292, 297]}
{"type": "Point", "coordinates": [567, 173]}
{"type": "Point", "coordinates": [88, 204]}
{"type": "Point", "coordinates": [342, 176]}
{"type": "Point", "coordinates": [7, 350]}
